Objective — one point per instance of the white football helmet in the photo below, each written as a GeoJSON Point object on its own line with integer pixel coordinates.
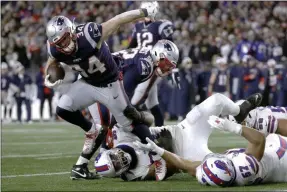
{"type": "Point", "coordinates": [165, 55]}
{"type": "Point", "coordinates": [60, 32]}
{"type": "Point", "coordinates": [216, 171]}
{"type": "Point", "coordinates": [112, 163]}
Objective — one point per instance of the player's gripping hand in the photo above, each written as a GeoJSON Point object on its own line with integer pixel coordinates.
{"type": "Point", "coordinates": [155, 130]}
{"type": "Point", "coordinates": [49, 84]}
{"type": "Point", "coordinates": [151, 7]}
{"type": "Point", "coordinates": [224, 125]}
{"type": "Point", "coordinates": [151, 147]}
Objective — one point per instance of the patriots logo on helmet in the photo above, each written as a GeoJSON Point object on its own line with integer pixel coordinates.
{"type": "Point", "coordinates": [167, 47]}
{"type": "Point", "coordinates": [222, 165]}
{"type": "Point", "coordinates": [60, 21]}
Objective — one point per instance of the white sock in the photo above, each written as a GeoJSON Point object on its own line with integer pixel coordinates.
{"type": "Point", "coordinates": [82, 160]}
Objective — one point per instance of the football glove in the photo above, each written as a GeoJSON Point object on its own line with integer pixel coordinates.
{"type": "Point", "coordinates": [151, 147]}
{"type": "Point", "coordinates": [152, 8]}
{"type": "Point", "coordinates": [224, 125]}
{"type": "Point", "coordinates": [49, 84]}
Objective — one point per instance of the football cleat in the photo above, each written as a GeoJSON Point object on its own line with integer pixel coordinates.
{"type": "Point", "coordinates": [255, 100]}
{"type": "Point", "coordinates": [82, 172]}
{"type": "Point", "coordinates": [250, 103]}
{"type": "Point", "coordinates": [160, 169]}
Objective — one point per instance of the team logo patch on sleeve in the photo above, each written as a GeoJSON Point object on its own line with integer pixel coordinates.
{"type": "Point", "coordinates": [97, 32]}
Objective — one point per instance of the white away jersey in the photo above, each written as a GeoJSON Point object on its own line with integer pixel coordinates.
{"type": "Point", "coordinates": [121, 137]}
{"type": "Point", "coordinates": [271, 168]}
{"type": "Point", "coordinates": [265, 119]}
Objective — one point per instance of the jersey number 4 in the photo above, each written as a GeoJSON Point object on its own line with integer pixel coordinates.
{"type": "Point", "coordinates": [94, 66]}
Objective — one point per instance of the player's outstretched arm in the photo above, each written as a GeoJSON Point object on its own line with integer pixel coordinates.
{"type": "Point", "coordinates": [110, 26]}
{"type": "Point", "coordinates": [256, 140]}
{"type": "Point", "coordinates": [171, 158]}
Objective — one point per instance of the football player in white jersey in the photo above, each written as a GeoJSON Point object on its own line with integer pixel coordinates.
{"type": "Point", "coordinates": [125, 159]}
{"type": "Point", "coordinates": [266, 119]}
{"type": "Point", "coordinates": [263, 161]}
{"type": "Point", "coordinates": [190, 136]}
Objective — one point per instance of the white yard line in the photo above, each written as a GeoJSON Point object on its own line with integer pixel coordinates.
{"type": "Point", "coordinates": [37, 155]}
{"type": "Point", "coordinates": [56, 157]}
{"type": "Point", "coordinates": [40, 143]}
{"type": "Point", "coordinates": [33, 175]}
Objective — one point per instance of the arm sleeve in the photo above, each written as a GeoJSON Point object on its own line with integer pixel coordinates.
{"type": "Point", "coordinates": [93, 34]}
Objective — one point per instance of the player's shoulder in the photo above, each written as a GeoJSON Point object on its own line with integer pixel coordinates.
{"type": "Point", "coordinates": [92, 30]}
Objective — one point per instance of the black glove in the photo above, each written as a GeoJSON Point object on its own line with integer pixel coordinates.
{"type": "Point", "coordinates": [140, 117]}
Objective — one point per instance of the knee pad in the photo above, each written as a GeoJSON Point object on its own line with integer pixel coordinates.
{"type": "Point", "coordinates": [66, 102]}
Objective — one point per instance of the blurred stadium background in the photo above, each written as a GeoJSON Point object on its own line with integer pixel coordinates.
{"type": "Point", "coordinates": [203, 32]}
{"type": "Point", "coordinates": [245, 41]}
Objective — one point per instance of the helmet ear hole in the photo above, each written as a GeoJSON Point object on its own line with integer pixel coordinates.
{"type": "Point", "coordinates": [155, 53]}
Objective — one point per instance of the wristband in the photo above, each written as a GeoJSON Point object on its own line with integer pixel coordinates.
{"type": "Point", "coordinates": [159, 151]}
{"type": "Point", "coordinates": [145, 12]}
{"type": "Point", "coordinates": [238, 129]}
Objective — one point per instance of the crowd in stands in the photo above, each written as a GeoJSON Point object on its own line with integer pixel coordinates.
{"type": "Point", "coordinates": [235, 48]}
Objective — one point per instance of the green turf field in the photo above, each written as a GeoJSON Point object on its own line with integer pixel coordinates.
{"type": "Point", "coordinates": [39, 157]}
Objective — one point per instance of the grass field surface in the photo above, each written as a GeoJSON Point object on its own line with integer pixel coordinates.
{"type": "Point", "coordinates": [39, 157]}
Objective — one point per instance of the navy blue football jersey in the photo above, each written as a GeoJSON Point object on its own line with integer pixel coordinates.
{"type": "Point", "coordinates": [260, 51]}
{"type": "Point", "coordinates": [146, 34]}
{"type": "Point", "coordinates": [220, 81]}
{"type": "Point", "coordinates": [5, 82]}
{"type": "Point", "coordinates": [137, 67]}
{"type": "Point", "coordinates": [94, 61]}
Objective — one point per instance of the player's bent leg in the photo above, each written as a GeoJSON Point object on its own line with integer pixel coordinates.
{"type": "Point", "coordinates": [196, 129]}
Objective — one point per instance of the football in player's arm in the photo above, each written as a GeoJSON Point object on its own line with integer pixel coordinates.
{"type": "Point", "coordinates": [108, 28]}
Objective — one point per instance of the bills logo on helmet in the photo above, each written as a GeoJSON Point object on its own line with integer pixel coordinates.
{"type": "Point", "coordinates": [222, 165]}
{"type": "Point", "coordinates": [167, 47]}
{"type": "Point", "coordinates": [60, 21]}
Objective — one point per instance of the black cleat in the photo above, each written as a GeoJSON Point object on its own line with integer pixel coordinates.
{"type": "Point", "coordinates": [82, 172]}
{"type": "Point", "coordinates": [250, 103]}
{"type": "Point", "coordinates": [255, 99]}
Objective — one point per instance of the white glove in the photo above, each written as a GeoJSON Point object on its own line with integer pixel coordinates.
{"type": "Point", "coordinates": [155, 130]}
{"type": "Point", "coordinates": [224, 125]}
{"type": "Point", "coordinates": [151, 7]}
{"type": "Point", "coordinates": [50, 84]}
{"type": "Point", "coordinates": [151, 147]}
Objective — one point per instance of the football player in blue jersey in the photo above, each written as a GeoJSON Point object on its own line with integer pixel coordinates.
{"type": "Point", "coordinates": [146, 34]}
{"type": "Point", "coordinates": [138, 65]}
{"type": "Point", "coordinates": [83, 48]}
{"type": "Point", "coordinates": [218, 82]}
{"type": "Point", "coordinates": [252, 76]}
